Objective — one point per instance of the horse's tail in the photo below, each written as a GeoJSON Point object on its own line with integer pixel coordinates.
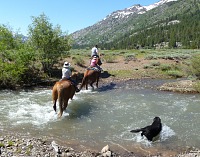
{"type": "Point", "coordinates": [85, 77]}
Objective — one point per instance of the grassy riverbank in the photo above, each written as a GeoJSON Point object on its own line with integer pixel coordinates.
{"type": "Point", "coordinates": [138, 64]}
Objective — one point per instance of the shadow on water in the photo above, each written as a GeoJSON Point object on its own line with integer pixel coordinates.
{"type": "Point", "coordinates": [107, 87]}
{"type": "Point", "coordinates": [81, 109]}
{"type": "Point", "coordinates": [105, 74]}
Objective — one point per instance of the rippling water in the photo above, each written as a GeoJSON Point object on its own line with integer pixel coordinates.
{"type": "Point", "coordinates": [104, 116]}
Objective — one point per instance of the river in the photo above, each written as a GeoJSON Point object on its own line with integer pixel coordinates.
{"type": "Point", "coordinates": [105, 116]}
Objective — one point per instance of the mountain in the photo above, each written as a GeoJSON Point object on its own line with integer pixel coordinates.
{"type": "Point", "coordinates": [125, 28]}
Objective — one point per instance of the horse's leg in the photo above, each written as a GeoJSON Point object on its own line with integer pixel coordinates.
{"type": "Point", "coordinates": [97, 79]}
{"type": "Point", "coordinates": [86, 83]}
{"type": "Point", "coordinates": [97, 83]}
{"type": "Point", "coordinates": [82, 84]}
{"type": "Point", "coordinates": [91, 84]}
{"type": "Point", "coordinates": [54, 105]}
{"type": "Point", "coordinates": [54, 97]}
{"type": "Point", "coordinates": [60, 113]}
{"type": "Point", "coordinates": [65, 105]}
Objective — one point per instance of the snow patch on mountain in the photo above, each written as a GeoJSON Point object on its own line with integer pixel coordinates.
{"type": "Point", "coordinates": [136, 9]}
{"type": "Point", "coordinates": [157, 4]}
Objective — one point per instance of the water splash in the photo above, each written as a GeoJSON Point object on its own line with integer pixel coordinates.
{"type": "Point", "coordinates": [164, 135]}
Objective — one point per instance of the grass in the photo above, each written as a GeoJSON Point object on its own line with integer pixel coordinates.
{"type": "Point", "coordinates": [171, 54]}
{"type": "Point", "coordinates": [182, 60]}
{"type": "Point", "coordinates": [10, 143]}
{"type": "Point", "coordinates": [1, 145]}
{"type": "Point", "coordinates": [109, 58]}
{"type": "Point", "coordinates": [121, 73]}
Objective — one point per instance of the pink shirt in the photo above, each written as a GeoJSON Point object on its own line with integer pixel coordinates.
{"type": "Point", "coordinates": [93, 62]}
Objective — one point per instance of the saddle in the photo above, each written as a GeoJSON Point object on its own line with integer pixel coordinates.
{"type": "Point", "coordinates": [94, 68]}
{"type": "Point", "coordinates": [65, 79]}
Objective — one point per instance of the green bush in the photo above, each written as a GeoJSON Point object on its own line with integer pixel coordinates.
{"type": "Point", "coordinates": [197, 86]}
{"type": "Point", "coordinates": [175, 73]}
{"type": "Point", "coordinates": [165, 67]}
{"type": "Point", "coordinates": [16, 67]}
{"type": "Point", "coordinates": [17, 60]}
{"type": "Point", "coordinates": [129, 57]}
{"type": "Point", "coordinates": [78, 60]}
{"type": "Point", "coordinates": [155, 63]}
{"type": "Point", "coordinates": [147, 66]}
{"type": "Point", "coordinates": [195, 64]}
{"type": "Point", "coordinates": [109, 58]}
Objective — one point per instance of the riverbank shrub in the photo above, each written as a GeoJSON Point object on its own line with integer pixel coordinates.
{"type": "Point", "coordinates": [195, 65]}
{"type": "Point", "coordinates": [148, 66]}
{"type": "Point", "coordinates": [155, 63]}
{"type": "Point", "coordinates": [175, 73]}
{"type": "Point", "coordinates": [78, 60]}
{"type": "Point", "coordinates": [171, 54]}
{"type": "Point", "coordinates": [197, 86]}
{"type": "Point", "coordinates": [165, 67]}
{"type": "Point", "coordinates": [17, 68]}
{"type": "Point", "coordinates": [109, 58]}
{"type": "Point", "coordinates": [17, 60]}
{"type": "Point", "coordinates": [130, 57]}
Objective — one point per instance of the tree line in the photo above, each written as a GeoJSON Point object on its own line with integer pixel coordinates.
{"type": "Point", "coordinates": [176, 31]}
{"type": "Point", "coordinates": [25, 60]}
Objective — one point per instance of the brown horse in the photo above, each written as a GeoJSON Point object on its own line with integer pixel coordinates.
{"type": "Point", "coordinates": [90, 76]}
{"type": "Point", "coordinates": [63, 91]}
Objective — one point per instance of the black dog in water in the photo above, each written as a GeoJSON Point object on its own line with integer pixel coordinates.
{"type": "Point", "coordinates": [151, 130]}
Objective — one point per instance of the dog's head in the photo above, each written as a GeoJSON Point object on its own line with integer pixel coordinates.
{"type": "Point", "coordinates": [157, 119]}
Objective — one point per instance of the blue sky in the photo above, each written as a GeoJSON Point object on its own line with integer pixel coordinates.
{"type": "Point", "coordinates": [71, 15]}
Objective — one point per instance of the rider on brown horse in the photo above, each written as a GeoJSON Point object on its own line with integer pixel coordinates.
{"type": "Point", "coordinates": [95, 59]}
{"type": "Point", "coordinates": [94, 70]}
{"type": "Point", "coordinates": [66, 74]}
{"type": "Point", "coordinates": [94, 64]}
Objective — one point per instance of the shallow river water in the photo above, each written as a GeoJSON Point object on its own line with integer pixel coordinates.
{"type": "Point", "coordinates": [105, 116]}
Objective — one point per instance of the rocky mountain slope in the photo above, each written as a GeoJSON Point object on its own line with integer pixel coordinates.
{"type": "Point", "coordinates": [127, 22]}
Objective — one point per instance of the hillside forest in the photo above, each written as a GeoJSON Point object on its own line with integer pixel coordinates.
{"type": "Point", "coordinates": [185, 34]}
